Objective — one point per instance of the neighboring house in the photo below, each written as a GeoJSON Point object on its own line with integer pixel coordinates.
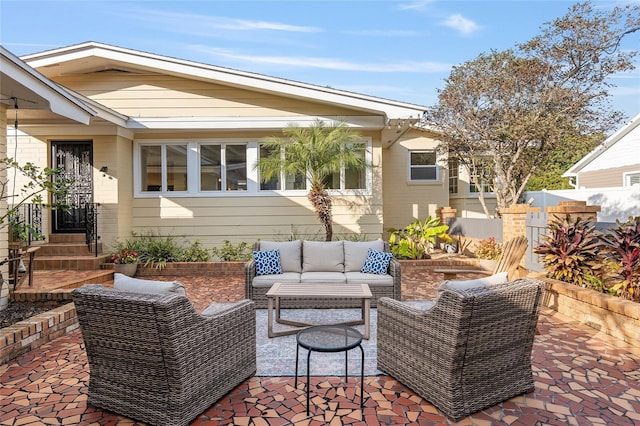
{"type": "Point", "coordinates": [614, 163]}
{"type": "Point", "coordinates": [609, 177]}
{"type": "Point", "coordinates": [171, 145]}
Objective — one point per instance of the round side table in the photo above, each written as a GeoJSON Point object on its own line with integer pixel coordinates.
{"type": "Point", "coordinates": [330, 338]}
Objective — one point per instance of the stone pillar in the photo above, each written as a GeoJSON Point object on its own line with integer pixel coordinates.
{"type": "Point", "coordinates": [514, 220]}
{"type": "Point", "coordinates": [574, 209]}
{"type": "Point", "coordinates": [446, 213]}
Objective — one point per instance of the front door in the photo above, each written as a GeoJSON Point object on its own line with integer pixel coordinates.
{"type": "Point", "coordinates": [76, 161]}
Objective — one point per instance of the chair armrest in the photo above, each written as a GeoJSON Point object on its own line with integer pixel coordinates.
{"type": "Point", "coordinates": [395, 271]}
{"type": "Point", "coordinates": [249, 275]}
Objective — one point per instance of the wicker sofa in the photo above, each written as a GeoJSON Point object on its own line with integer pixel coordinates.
{"type": "Point", "coordinates": [323, 262]}
{"type": "Point", "coordinates": [468, 350]}
{"type": "Point", "coordinates": [153, 358]}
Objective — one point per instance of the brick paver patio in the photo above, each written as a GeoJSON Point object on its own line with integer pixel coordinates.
{"type": "Point", "coordinates": [582, 377]}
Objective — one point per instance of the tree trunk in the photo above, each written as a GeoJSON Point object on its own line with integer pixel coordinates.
{"type": "Point", "coordinates": [321, 202]}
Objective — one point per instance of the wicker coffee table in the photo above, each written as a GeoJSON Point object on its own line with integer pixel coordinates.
{"type": "Point", "coordinates": [280, 291]}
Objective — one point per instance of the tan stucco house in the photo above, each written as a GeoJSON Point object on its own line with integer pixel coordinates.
{"type": "Point", "coordinates": [169, 146]}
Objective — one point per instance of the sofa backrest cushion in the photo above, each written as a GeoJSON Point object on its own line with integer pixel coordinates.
{"type": "Point", "coordinates": [290, 253]}
{"type": "Point", "coordinates": [123, 282]}
{"type": "Point", "coordinates": [322, 256]}
{"type": "Point", "coordinates": [355, 253]}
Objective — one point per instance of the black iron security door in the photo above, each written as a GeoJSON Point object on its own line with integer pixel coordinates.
{"type": "Point", "coordinates": [76, 161]}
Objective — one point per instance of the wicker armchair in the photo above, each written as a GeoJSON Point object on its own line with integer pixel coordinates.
{"type": "Point", "coordinates": [153, 358]}
{"type": "Point", "coordinates": [469, 351]}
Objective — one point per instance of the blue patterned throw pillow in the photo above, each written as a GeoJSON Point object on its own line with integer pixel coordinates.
{"type": "Point", "coordinates": [377, 262]}
{"type": "Point", "coordinates": [267, 262]}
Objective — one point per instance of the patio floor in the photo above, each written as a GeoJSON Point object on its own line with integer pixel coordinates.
{"type": "Point", "coordinates": [582, 377]}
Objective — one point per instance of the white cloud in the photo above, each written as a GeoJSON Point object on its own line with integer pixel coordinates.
{"type": "Point", "coordinates": [416, 5]}
{"type": "Point", "coordinates": [324, 63]}
{"type": "Point", "coordinates": [196, 23]}
{"type": "Point", "coordinates": [461, 24]}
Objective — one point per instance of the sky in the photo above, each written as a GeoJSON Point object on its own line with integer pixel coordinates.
{"type": "Point", "coordinates": [401, 50]}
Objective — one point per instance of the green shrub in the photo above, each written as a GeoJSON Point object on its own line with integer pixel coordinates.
{"type": "Point", "coordinates": [417, 240]}
{"type": "Point", "coordinates": [228, 252]}
{"type": "Point", "coordinates": [195, 253]}
{"type": "Point", "coordinates": [156, 251]}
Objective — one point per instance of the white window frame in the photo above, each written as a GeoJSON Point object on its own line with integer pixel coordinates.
{"type": "Point", "coordinates": [253, 183]}
{"type": "Point", "coordinates": [410, 166]}
{"type": "Point", "coordinates": [629, 176]}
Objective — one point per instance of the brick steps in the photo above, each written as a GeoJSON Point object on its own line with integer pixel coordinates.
{"type": "Point", "coordinates": [67, 252]}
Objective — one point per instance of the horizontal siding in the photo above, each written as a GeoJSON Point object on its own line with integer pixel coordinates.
{"type": "Point", "coordinates": [612, 177]}
{"type": "Point", "coordinates": [251, 218]}
{"type": "Point", "coordinates": [165, 96]}
{"type": "Point", "coordinates": [406, 201]}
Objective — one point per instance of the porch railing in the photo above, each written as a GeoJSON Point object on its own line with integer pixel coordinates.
{"type": "Point", "coordinates": [29, 218]}
{"type": "Point", "coordinates": [91, 233]}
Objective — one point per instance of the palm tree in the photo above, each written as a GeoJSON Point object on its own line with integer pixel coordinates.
{"type": "Point", "coordinates": [317, 153]}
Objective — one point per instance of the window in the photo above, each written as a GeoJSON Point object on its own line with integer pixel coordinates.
{"type": "Point", "coordinates": [164, 168]}
{"type": "Point", "coordinates": [484, 179]}
{"type": "Point", "coordinates": [346, 179]}
{"type": "Point", "coordinates": [454, 175]}
{"type": "Point", "coordinates": [422, 166]}
{"type": "Point", "coordinates": [292, 182]}
{"type": "Point", "coordinates": [223, 167]}
{"type": "Point", "coordinates": [632, 178]}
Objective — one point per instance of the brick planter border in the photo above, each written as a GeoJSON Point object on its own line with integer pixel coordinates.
{"type": "Point", "coordinates": [609, 314]}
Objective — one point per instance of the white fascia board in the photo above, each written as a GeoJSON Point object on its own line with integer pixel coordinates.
{"type": "Point", "coordinates": [58, 99]}
{"type": "Point", "coordinates": [189, 69]}
{"type": "Point", "coordinates": [249, 123]}
{"type": "Point", "coordinates": [597, 151]}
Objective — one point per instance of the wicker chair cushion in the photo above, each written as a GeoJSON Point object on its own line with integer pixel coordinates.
{"type": "Point", "coordinates": [355, 253]}
{"type": "Point", "coordinates": [322, 256]}
{"type": "Point", "coordinates": [123, 282]}
{"type": "Point", "coordinates": [267, 262]}
{"type": "Point", "coordinates": [323, 277]}
{"type": "Point", "coordinates": [498, 278]}
{"type": "Point", "coordinates": [290, 252]}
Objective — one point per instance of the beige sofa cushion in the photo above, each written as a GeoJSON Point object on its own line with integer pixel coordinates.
{"type": "Point", "coordinates": [323, 277]}
{"type": "Point", "coordinates": [355, 253]}
{"type": "Point", "coordinates": [269, 280]}
{"type": "Point", "coordinates": [374, 280]}
{"type": "Point", "coordinates": [322, 256]}
{"type": "Point", "coordinates": [290, 253]}
{"type": "Point", "coordinates": [123, 282]}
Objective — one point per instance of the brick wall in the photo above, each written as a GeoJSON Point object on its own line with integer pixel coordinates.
{"type": "Point", "coordinates": [36, 331]}
{"type": "Point", "coordinates": [609, 314]}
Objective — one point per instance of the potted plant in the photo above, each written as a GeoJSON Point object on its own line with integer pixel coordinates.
{"type": "Point", "coordinates": [488, 252]}
{"type": "Point", "coordinates": [125, 261]}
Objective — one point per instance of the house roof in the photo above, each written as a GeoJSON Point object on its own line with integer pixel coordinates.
{"type": "Point", "coordinates": [93, 56]}
{"type": "Point", "coordinates": [25, 88]}
{"type": "Point", "coordinates": [603, 147]}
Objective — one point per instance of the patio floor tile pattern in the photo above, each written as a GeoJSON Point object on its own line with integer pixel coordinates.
{"type": "Point", "coordinates": [582, 377]}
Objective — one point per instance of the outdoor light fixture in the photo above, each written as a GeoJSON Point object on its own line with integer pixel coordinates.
{"type": "Point", "coordinates": [104, 169]}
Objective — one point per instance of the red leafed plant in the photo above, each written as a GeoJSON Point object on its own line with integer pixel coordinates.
{"type": "Point", "coordinates": [623, 246]}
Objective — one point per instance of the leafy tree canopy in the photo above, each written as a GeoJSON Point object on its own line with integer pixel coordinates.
{"type": "Point", "coordinates": [506, 112]}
